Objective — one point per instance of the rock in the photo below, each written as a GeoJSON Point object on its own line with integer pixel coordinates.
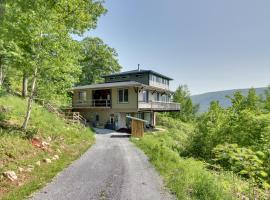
{"type": "Point", "coordinates": [29, 169]}
{"type": "Point", "coordinates": [21, 169]}
{"type": "Point", "coordinates": [38, 163]}
{"type": "Point", "coordinates": [49, 139]}
{"type": "Point", "coordinates": [55, 157]}
{"type": "Point", "coordinates": [36, 142]}
{"type": "Point", "coordinates": [45, 144]}
{"type": "Point", "coordinates": [19, 184]}
{"type": "Point", "coordinates": [47, 160]}
{"type": "Point", "coordinates": [11, 175]}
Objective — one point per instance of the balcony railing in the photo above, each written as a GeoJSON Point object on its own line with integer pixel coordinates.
{"type": "Point", "coordinates": [158, 105]}
{"type": "Point", "coordinates": [105, 103]}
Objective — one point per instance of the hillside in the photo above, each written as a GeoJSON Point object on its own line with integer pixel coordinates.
{"type": "Point", "coordinates": [35, 156]}
{"type": "Point", "coordinates": [205, 99]}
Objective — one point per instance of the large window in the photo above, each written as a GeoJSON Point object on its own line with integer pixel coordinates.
{"type": "Point", "coordinates": [158, 79]}
{"type": "Point", "coordinates": [82, 96]}
{"type": "Point", "coordinates": [145, 96]}
{"type": "Point", "coordinates": [123, 95]}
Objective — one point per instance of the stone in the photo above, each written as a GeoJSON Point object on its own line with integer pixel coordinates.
{"type": "Point", "coordinates": [47, 160]}
{"type": "Point", "coordinates": [55, 157]}
{"type": "Point", "coordinates": [49, 139]}
{"type": "Point", "coordinates": [38, 163]}
{"type": "Point", "coordinates": [21, 169]}
{"type": "Point", "coordinates": [44, 144]}
{"type": "Point", "coordinates": [11, 175]}
{"type": "Point", "coordinates": [29, 169]}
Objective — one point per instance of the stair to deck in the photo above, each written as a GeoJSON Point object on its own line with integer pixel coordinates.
{"type": "Point", "coordinates": [69, 116]}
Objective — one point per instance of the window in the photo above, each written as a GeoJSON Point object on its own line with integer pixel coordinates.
{"type": "Point", "coordinates": [158, 97]}
{"type": "Point", "coordinates": [139, 75]}
{"type": "Point", "coordinates": [145, 96]}
{"type": "Point", "coordinates": [123, 95]}
{"type": "Point", "coordinates": [82, 96]}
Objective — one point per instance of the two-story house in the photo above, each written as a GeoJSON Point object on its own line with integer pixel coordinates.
{"type": "Point", "coordinates": [137, 93]}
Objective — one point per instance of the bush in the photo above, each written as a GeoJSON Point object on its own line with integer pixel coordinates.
{"type": "Point", "coordinates": [243, 161]}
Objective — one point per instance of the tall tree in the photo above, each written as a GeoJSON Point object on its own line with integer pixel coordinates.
{"type": "Point", "coordinates": [97, 59]}
{"type": "Point", "coordinates": [267, 99]}
{"type": "Point", "coordinates": [42, 33]}
{"type": "Point", "coordinates": [241, 102]}
{"type": "Point", "coordinates": [188, 110]}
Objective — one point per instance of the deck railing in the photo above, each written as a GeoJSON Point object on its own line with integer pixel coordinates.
{"type": "Point", "coordinates": [93, 103]}
{"type": "Point", "coordinates": [158, 105]}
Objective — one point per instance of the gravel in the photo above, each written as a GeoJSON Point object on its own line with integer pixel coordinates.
{"type": "Point", "coordinates": [113, 168]}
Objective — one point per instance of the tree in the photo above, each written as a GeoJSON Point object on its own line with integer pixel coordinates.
{"type": "Point", "coordinates": [266, 99]}
{"type": "Point", "coordinates": [97, 59]}
{"type": "Point", "coordinates": [187, 110]}
{"type": "Point", "coordinates": [241, 102]}
{"type": "Point", "coordinates": [42, 33]}
{"type": "Point", "coordinates": [252, 100]}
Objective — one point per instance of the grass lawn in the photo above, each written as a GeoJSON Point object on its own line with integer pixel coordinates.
{"type": "Point", "coordinates": [17, 152]}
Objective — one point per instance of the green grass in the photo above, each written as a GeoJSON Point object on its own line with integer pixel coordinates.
{"type": "Point", "coordinates": [189, 178]}
{"type": "Point", "coordinates": [68, 141]}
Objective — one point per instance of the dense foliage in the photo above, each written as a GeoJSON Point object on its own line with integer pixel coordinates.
{"type": "Point", "coordinates": [97, 59]}
{"type": "Point", "coordinates": [189, 178]}
{"type": "Point", "coordinates": [188, 109]}
{"type": "Point", "coordinates": [236, 138]}
{"type": "Point", "coordinates": [38, 54]}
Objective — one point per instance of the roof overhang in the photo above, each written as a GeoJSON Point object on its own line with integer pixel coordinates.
{"type": "Point", "coordinates": [121, 84]}
{"type": "Point", "coordinates": [137, 72]}
{"type": "Point", "coordinates": [109, 85]}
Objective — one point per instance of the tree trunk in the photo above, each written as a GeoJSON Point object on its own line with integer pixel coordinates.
{"type": "Point", "coordinates": [25, 86]}
{"type": "Point", "coordinates": [30, 101]}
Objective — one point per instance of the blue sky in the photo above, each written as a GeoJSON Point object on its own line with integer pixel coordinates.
{"type": "Point", "coordinates": [209, 45]}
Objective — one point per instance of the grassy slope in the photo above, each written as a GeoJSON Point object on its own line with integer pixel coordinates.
{"type": "Point", "coordinates": [188, 178]}
{"type": "Point", "coordinates": [68, 141]}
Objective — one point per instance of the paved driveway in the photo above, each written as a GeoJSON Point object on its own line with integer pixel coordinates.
{"type": "Point", "coordinates": [113, 168]}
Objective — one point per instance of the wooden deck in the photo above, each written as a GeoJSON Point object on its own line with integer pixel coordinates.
{"type": "Point", "coordinates": [159, 106]}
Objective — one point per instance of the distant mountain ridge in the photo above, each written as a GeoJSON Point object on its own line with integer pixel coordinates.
{"type": "Point", "coordinates": [205, 99]}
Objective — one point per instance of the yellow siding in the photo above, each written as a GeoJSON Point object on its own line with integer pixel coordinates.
{"type": "Point", "coordinates": [132, 100]}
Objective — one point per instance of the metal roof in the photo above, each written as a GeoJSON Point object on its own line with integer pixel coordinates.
{"type": "Point", "coordinates": [137, 71]}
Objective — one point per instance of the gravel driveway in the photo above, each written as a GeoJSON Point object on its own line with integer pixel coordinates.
{"type": "Point", "coordinates": [113, 168]}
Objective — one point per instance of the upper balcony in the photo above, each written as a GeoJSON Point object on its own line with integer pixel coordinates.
{"type": "Point", "coordinates": [95, 103]}
{"type": "Point", "coordinates": [159, 106]}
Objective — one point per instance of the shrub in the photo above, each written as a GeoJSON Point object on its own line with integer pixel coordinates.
{"type": "Point", "coordinates": [243, 161]}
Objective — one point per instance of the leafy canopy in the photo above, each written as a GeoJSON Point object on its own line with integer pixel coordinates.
{"type": "Point", "coordinates": [97, 59]}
